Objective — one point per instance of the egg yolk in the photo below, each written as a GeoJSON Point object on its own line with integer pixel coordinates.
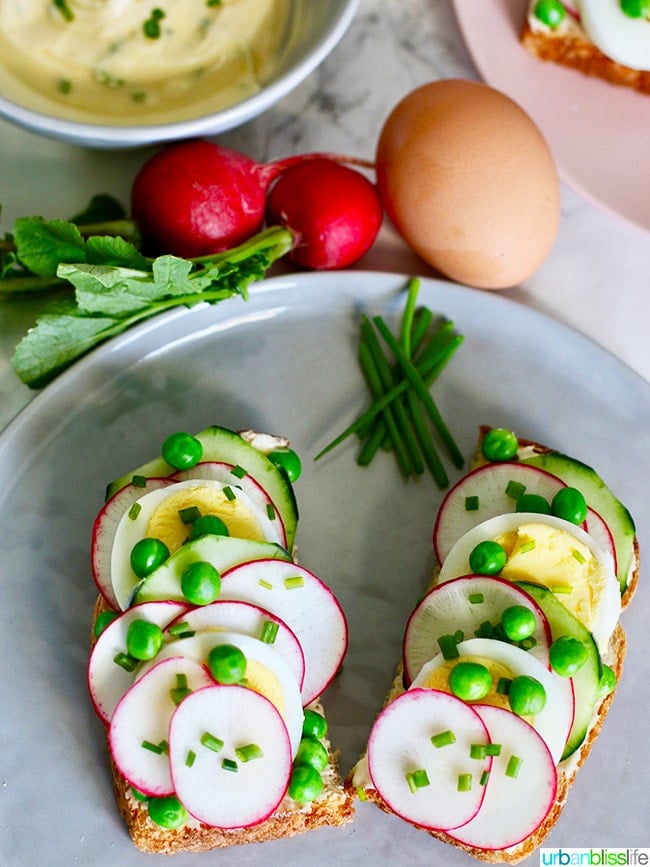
{"type": "Point", "coordinates": [165, 521]}
{"type": "Point", "coordinates": [439, 678]}
{"type": "Point", "coordinates": [263, 681]}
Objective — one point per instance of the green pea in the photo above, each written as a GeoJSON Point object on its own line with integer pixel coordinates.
{"type": "Point", "coordinates": [101, 622]}
{"type": "Point", "coordinates": [168, 812]}
{"type": "Point", "coordinates": [550, 12]}
{"type": "Point", "coordinates": [607, 681]}
{"type": "Point", "coordinates": [518, 622]}
{"type": "Point", "coordinates": [288, 461]}
{"type": "Point", "coordinates": [499, 444]}
{"type": "Point", "coordinates": [305, 785]}
{"type": "Point", "coordinates": [208, 525]}
{"type": "Point", "coordinates": [470, 681]}
{"type": "Point", "coordinates": [147, 555]}
{"type": "Point", "coordinates": [314, 724]}
{"type": "Point", "coordinates": [636, 8]}
{"type": "Point", "coordinates": [487, 558]}
{"type": "Point", "coordinates": [227, 663]}
{"type": "Point", "coordinates": [200, 583]}
{"type": "Point", "coordinates": [143, 639]}
{"type": "Point", "coordinates": [527, 695]}
{"type": "Point", "coordinates": [311, 752]}
{"type": "Point", "coordinates": [567, 654]}
{"type": "Point", "coordinates": [570, 504]}
{"type": "Point", "coordinates": [182, 450]}
{"type": "Point", "coordinates": [533, 503]}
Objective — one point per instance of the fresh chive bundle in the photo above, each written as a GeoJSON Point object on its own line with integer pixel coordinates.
{"type": "Point", "coordinates": [399, 372]}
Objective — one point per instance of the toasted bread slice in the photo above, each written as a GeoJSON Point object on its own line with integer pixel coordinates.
{"type": "Point", "coordinates": [359, 780]}
{"type": "Point", "coordinates": [569, 46]}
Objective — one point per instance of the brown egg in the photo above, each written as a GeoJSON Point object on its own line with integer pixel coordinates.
{"type": "Point", "coordinates": [469, 182]}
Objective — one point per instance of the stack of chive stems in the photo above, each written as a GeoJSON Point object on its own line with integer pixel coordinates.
{"type": "Point", "coordinates": [399, 372]}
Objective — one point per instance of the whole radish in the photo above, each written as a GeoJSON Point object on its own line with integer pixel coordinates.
{"type": "Point", "coordinates": [196, 197]}
{"type": "Point", "coordinates": [334, 211]}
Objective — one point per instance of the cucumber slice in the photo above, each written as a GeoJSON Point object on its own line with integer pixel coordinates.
{"type": "Point", "coordinates": [586, 682]}
{"type": "Point", "coordinates": [228, 447]}
{"type": "Point", "coordinates": [223, 552]}
{"type": "Point", "coordinates": [599, 497]}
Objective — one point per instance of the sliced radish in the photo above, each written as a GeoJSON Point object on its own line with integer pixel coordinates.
{"type": "Point", "coordinates": [107, 680]}
{"type": "Point", "coordinates": [237, 478]}
{"type": "Point", "coordinates": [596, 597]}
{"type": "Point", "coordinates": [165, 582]}
{"type": "Point", "coordinates": [221, 788]}
{"type": "Point", "coordinates": [138, 734]}
{"type": "Point", "coordinates": [103, 533]}
{"type": "Point", "coordinates": [308, 607]}
{"type": "Point", "coordinates": [514, 806]}
{"type": "Point", "coordinates": [267, 672]}
{"type": "Point", "coordinates": [400, 745]}
{"type": "Point", "coordinates": [600, 532]}
{"type": "Point", "coordinates": [237, 616]}
{"type": "Point", "coordinates": [553, 723]}
{"type": "Point", "coordinates": [484, 493]}
{"type": "Point", "coordinates": [465, 604]}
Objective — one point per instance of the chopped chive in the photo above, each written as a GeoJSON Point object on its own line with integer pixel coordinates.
{"type": "Point", "coordinates": [249, 752]}
{"type": "Point", "coordinates": [139, 481]}
{"type": "Point", "coordinates": [181, 690]}
{"type": "Point", "coordinates": [361, 793]}
{"type": "Point", "coordinates": [294, 582]}
{"type": "Point", "coordinates": [471, 504]}
{"type": "Point", "coordinates": [64, 9]}
{"type": "Point", "coordinates": [503, 685]}
{"type": "Point", "coordinates": [443, 739]}
{"type": "Point", "coordinates": [459, 636]}
{"type": "Point", "coordinates": [177, 629]}
{"type": "Point", "coordinates": [562, 589]}
{"type": "Point", "coordinates": [464, 782]}
{"type": "Point", "coordinates": [266, 584]}
{"type": "Point", "coordinates": [493, 749]}
{"type": "Point", "coordinates": [484, 630]}
{"type": "Point", "coordinates": [477, 751]}
{"type": "Point", "coordinates": [448, 648]}
{"type": "Point", "coordinates": [475, 598]}
{"type": "Point", "coordinates": [525, 547]}
{"type": "Point", "coordinates": [270, 511]}
{"type": "Point", "coordinates": [189, 514]}
{"type": "Point", "coordinates": [134, 511]}
{"type": "Point", "coordinates": [125, 661]}
{"type": "Point", "coordinates": [239, 472]}
{"type": "Point", "coordinates": [513, 766]}
{"type": "Point", "coordinates": [229, 765]}
{"type": "Point", "coordinates": [485, 776]}
{"type": "Point", "coordinates": [190, 758]}
{"type": "Point", "coordinates": [160, 749]}
{"type": "Point", "coordinates": [514, 489]}
{"type": "Point", "coordinates": [417, 780]}
{"type": "Point", "coordinates": [528, 643]}
{"type": "Point", "coordinates": [579, 556]}
{"type": "Point", "coordinates": [211, 742]}
{"type": "Point", "coordinates": [269, 631]}
{"type": "Point", "coordinates": [229, 493]}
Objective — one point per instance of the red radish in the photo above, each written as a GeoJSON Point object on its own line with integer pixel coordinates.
{"type": "Point", "coordinates": [196, 198]}
{"type": "Point", "coordinates": [334, 211]}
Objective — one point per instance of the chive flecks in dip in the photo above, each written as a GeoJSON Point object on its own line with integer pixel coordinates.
{"type": "Point", "coordinates": [156, 62]}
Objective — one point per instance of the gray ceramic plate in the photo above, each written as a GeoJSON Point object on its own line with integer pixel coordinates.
{"type": "Point", "coordinates": [285, 362]}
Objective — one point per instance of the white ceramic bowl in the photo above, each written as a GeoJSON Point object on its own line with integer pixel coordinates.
{"type": "Point", "coordinates": [319, 26]}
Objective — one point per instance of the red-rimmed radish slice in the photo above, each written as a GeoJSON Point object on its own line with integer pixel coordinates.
{"type": "Point", "coordinates": [401, 754]}
{"type": "Point", "coordinates": [552, 552]}
{"type": "Point", "coordinates": [107, 679]}
{"type": "Point", "coordinates": [139, 730]}
{"type": "Point", "coordinates": [103, 533]}
{"type": "Point", "coordinates": [238, 478]}
{"type": "Point", "coordinates": [306, 605]}
{"type": "Point", "coordinates": [267, 672]}
{"type": "Point", "coordinates": [489, 490]}
{"type": "Point", "coordinates": [553, 722]}
{"type": "Point", "coordinates": [237, 616]}
{"type": "Point", "coordinates": [520, 790]}
{"type": "Point", "coordinates": [465, 604]}
{"type": "Point", "coordinates": [600, 532]}
{"type": "Point", "coordinates": [241, 783]}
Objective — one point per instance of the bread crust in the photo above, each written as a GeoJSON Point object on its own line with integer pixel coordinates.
{"type": "Point", "coordinates": [575, 51]}
{"type": "Point", "coordinates": [356, 782]}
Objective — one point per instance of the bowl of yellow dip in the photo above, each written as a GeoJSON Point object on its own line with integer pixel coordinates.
{"type": "Point", "coordinates": [123, 73]}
